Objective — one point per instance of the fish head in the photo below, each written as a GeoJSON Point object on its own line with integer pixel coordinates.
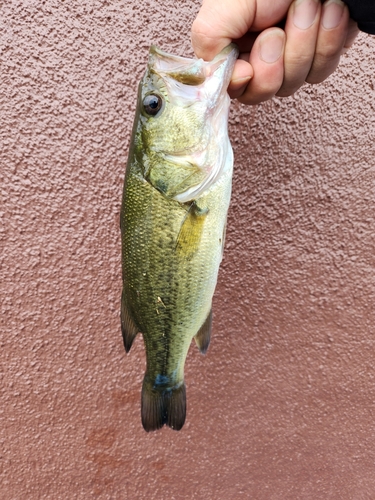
{"type": "Point", "coordinates": [182, 138]}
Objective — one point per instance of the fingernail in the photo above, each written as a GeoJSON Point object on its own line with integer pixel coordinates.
{"type": "Point", "coordinates": [332, 14]}
{"type": "Point", "coordinates": [305, 12]}
{"type": "Point", "coordinates": [238, 82]}
{"type": "Point", "coordinates": [271, 47]}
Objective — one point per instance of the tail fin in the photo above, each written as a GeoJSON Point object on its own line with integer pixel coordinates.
{"type": "Point", "coordinates": [163, 407]}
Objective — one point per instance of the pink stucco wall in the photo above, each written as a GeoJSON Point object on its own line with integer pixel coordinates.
{"type": "Point", "coordinates": [283, 404]}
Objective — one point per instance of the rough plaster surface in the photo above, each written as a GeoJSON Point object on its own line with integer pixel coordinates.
{"type": "Point", "coordinates": [282, 406]}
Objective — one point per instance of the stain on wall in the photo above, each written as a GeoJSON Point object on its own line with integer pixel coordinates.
{"type": "Point", "coordinates": [282, 405]}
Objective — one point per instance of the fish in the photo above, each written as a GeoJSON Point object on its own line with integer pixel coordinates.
{"type": "Point", "coordinates": [174, 208]}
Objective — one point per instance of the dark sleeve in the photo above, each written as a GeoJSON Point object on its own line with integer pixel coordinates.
{"type": "Point", "coordinates": [363, 12]}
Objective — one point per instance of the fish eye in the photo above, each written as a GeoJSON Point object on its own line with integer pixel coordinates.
{"type": "Point", "coordinates": [152, 104]}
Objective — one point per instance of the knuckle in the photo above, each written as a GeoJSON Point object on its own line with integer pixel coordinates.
{"type": "Point", "coordinates": [202, 36]}
{"type": "Point", "coordinates": [198, 27]}
{"type": "Point", "coordinates": [319, 72]}
{"type": "Point", "coordinates": [328, 53]}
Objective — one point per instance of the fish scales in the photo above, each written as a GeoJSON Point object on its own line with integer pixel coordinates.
{"type": "Point", "coordinates": [173, 231]}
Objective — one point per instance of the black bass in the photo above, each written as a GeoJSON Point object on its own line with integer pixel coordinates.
{"type": "Point", "coordinates": [176, 196]}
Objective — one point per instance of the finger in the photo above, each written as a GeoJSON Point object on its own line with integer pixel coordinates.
{"type": "Point", "coordinates": [242, 74]}
{"type": "Point", "coordinates": [333, 31]}
{"type": "Point", "coordinates": [301, 28]}
{"type": "Point", "coordinates": [266, 58]}
{"type": "Point", "coordinates": [221, 21]}
{"type": "Point", "coordinates": [246, 42]}
{"type": "Point", "coordinates": [218, 23]}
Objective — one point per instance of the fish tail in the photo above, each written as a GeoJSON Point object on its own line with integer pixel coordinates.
{"type": "Point", "coordinates": [163, 407]}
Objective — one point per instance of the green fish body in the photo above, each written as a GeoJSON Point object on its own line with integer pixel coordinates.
{"type": "Point", "coordinates": [176, 196]}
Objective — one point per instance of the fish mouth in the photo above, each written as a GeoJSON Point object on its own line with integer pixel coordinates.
{"type": "Point", "coordinates": [192, 71]}
{"type": "Point", "coordinates": [198, 79]}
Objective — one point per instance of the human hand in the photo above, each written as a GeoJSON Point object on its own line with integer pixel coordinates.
{"type": "Point", "coordinates": [274, 61]}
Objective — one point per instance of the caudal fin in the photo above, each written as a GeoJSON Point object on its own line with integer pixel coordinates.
{"type": "Point", "coordinates": [163, 407]}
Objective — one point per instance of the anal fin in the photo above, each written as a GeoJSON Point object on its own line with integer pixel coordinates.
{"type": "Point", "coordinates": [128, 327]}
{"type": "Point", "coordinates": [203, 337]}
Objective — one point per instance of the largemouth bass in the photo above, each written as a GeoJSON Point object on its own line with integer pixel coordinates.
{"type": "Point", "coordinates": [176, 196]}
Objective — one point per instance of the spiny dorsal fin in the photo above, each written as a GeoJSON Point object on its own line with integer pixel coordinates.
{"type": "Point", "coordinates": [203, 337]}
{"type": "Point", "coordinates": [128, 327]}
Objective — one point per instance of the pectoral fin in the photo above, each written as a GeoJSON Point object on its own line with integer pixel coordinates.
{"type": "Point", "coordinates": [128, 327]}
{"type": "Point", "coordinates": [191, 229]}
{"type": "Point", "coordinates": [203, 337]}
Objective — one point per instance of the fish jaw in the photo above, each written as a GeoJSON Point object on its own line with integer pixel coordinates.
{"type": "Point", "coordinates": [194, 72]}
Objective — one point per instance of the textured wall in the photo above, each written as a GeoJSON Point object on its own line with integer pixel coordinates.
{"type": "Point", "coordinates": [282, 406]}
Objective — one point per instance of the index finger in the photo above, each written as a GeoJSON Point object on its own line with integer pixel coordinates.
{"type": "Point", "coordinates": [218, 23]}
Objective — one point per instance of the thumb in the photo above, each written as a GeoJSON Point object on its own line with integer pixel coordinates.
{"type": "Point", "coordinates": [218, 23]}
